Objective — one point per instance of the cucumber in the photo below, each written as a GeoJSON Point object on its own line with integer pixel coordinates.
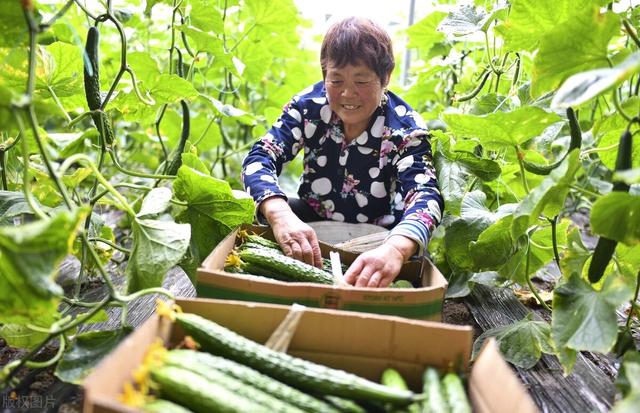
{"type": "Point", "coordinates": [290, 268]}
{"type": "Point", "coordinates": [256, 240]}
{"type": "Point", "coordinates": [435, 402]}
{"type": "Point", "coordinates": [164, 406]}
{"type": "Point", "coordinates": [92, 69]}
{"type": "Point", "coordinates": [250, 376]}
{"type": "Point", "coordinates": [401, 284]}
{"type": "Point", "coordinates": [239, 387]}
{"type": "Point", "coordinates": [456, 396]}
{"type": "Point", "coordinates": [303, 374]}
{"type": "Point", "coordinates": [392, 378]}
{"type": "Point", "coordinates": [193, 391]}
{"type": "Point", "coordinates": [345, 405]}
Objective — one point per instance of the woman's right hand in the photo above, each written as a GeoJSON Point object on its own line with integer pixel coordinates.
{"type": "Point", "coordinates": [296, 238]}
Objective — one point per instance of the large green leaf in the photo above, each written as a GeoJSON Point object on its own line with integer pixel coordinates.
{"type": "Point", "coordinates": [60, 68]}
{"type": "Point", "coordinates": [539, 249]}
{"type": "Point", "coordinates": [494, 246]}
{"type": "Point", "coordinates": [206, 16]}
{"type": "Point", "coordinates": [582, 87]}
{"type": "Point", "coordinates": [607, 133]}
{"type": "Point", "coordinates": [628, 381]}
{"type": "Point", "coordinates": [452, 178]}
{"type": "Point", "coordinates": [617, 216]}
{"type": "Point", "coordinates": [548, 197]}
{"type": "Point", "coordinates": [13, 25]}
{"type": "Point", "coordinates": [423, 34]}
{"type": "Point", "coordinates": [171, 89]}
{"type": "Point", "coordinates": [575, 255]}
{"type": "Point", "coordinates": [584, 319]}
{"type": "Point", "coordinates": [500, 129]}
{"type": "Point", "coordinates": [530, 20]}
{"type": "Point", "coordinates": [20, 336]}
{"type": "Point", "coordinates": [29, 258]}
{"type": "Point", "coordinates": [464, 19]}
{"type": "Point", "coordinates": [521, 343]}
{"type": "Point", "coordinates": [485, 169]}
{"type": "Point", "coordinates": [157, 247]}
{"type": "Point", "coordinates": [13, 204]}
{"type": "Point", "coordinates": [576, 46]}
{"type": "Point", "coordinates": [212, 210]}
{"type": "Point", "coordinates": [475, 217]}
{"type": "Point", "coordinates": [87, 351]}
{"type": "Point", "coordinates": [155, 202]}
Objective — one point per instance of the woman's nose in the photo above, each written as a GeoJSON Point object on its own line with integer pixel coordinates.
{"type": "Point", "coordinates": [348, 91]}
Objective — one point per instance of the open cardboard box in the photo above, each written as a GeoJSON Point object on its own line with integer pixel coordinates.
{"type": "Point", "coordinates": [363, 344]}
{"type": "Point", "coordinates": [423, 303]}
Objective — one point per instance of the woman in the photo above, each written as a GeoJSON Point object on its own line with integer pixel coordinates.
{"type": "Point", "coordinates": [367, 158]}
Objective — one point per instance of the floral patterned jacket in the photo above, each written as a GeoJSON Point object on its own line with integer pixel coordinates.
{"type": "Point", "coordinates": [385, 176]}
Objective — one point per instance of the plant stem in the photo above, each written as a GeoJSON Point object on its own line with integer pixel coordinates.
{"type": "Point", "coordinates": [554, 240]}
{"type": "Point", "coordinates": [53, 360]}
{"type": "Point", "coordinates": [59, 104]}
{"type": "Point", "coordinates": [530, 284]}
{"type": "Point", "coordinates": [3, 170]}
{"type": "Point", "coordinates": [584, 191]}
{"type": "Point", "coordinates": [26, 182]}
{"type": "Point", "coordinates": [111, 244]}
{"type": "Point", "coordinates": [155, 290]}
{"type": "Point", "coordinates": [116, 163]}
{"type": "Point", "coordinates": [633, 303]}
{"type": "Point", "coordinates": [522, 171]}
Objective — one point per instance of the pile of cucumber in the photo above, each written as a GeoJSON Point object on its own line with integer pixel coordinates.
{"type": "Point", "coordinates": [259, 256]}
{"type": "Point", "coordinates": [235, 374]}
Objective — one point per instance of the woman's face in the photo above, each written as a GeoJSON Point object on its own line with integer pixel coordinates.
{"type": "Point", "coordinates": [354, 93]}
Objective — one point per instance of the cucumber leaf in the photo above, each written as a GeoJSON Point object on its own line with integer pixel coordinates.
{"type": "Point", "coordinates": [29, 259]}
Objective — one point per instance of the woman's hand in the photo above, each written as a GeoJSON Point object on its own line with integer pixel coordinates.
{"type": "Point", "coordinates": [297, 239]}
{"type": "Point", "coordinates": [378, 267]}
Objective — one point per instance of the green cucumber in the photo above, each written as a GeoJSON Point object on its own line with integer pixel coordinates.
{"type": "Point", "coordinates": [392, 378]}
{"type": "Point", "coordinates": [432, 388]}
{"type": "Point", "coordinates": [237, 386]}
{"type": "Point", "coordinates": [92, 69]}
{"type": "Point", "coordinates": [456, 396]}
{"type": "Point", "coordinates": [250, 376]}
{"type": "Point", "coordinates": [254, 239]}
{"type": "Point", "coordinates": [345, 405]}
{"type": "Point", "coordinates": [288, 267]}
{"type": "Point", "coordinates": [303, 374]}
{"type": "Point", "coordinates": [164, 406]}
{"type": "Point", "coordinates": [574, 143]}
{"type": "Point", "coordinates": [605, 247]}
{"type": "Point", "coordinates": [193, 391]}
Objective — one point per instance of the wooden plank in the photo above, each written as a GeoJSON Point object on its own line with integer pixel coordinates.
{"type": "Point", "coordinates": [588, 388]}
{"type": "Point", "coordinates": [333, 232]}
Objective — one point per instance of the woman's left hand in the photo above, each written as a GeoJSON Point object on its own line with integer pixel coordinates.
{"type": "Point", "coordinates": [378, 267]}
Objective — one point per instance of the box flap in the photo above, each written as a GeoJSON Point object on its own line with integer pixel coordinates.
{"type": "Point", "coordinates": [493, 386]}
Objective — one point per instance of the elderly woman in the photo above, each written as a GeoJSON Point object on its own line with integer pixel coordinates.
{"type": "Point", "coordinates": [367, 158]}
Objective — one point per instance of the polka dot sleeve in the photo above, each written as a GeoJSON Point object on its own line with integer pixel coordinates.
{"type": "Point", "coordinates": [423, 204]}
{"type": "Point", "coordinates": [263, 163]}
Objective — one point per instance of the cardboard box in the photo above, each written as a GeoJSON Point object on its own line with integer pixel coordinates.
{"type": "Point", "coordinates": [360, 343]}
{"type": "Point", "coordinates": [424, 303]}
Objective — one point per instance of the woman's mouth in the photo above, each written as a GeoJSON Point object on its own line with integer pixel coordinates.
{"type": "Point", "coordinates": [351, 107]}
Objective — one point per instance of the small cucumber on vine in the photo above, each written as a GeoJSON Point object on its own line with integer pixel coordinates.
{"type": "Point", "coordinates": [576, 142]}
{"type": "Point", "coordinates": [605, 246]}
{"type": "Point", "coordinates": [92, 69]}
{"type": "Point", "coordinates": [101, 119]}
{"type": "Point", "coordinates": [176, 158]}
